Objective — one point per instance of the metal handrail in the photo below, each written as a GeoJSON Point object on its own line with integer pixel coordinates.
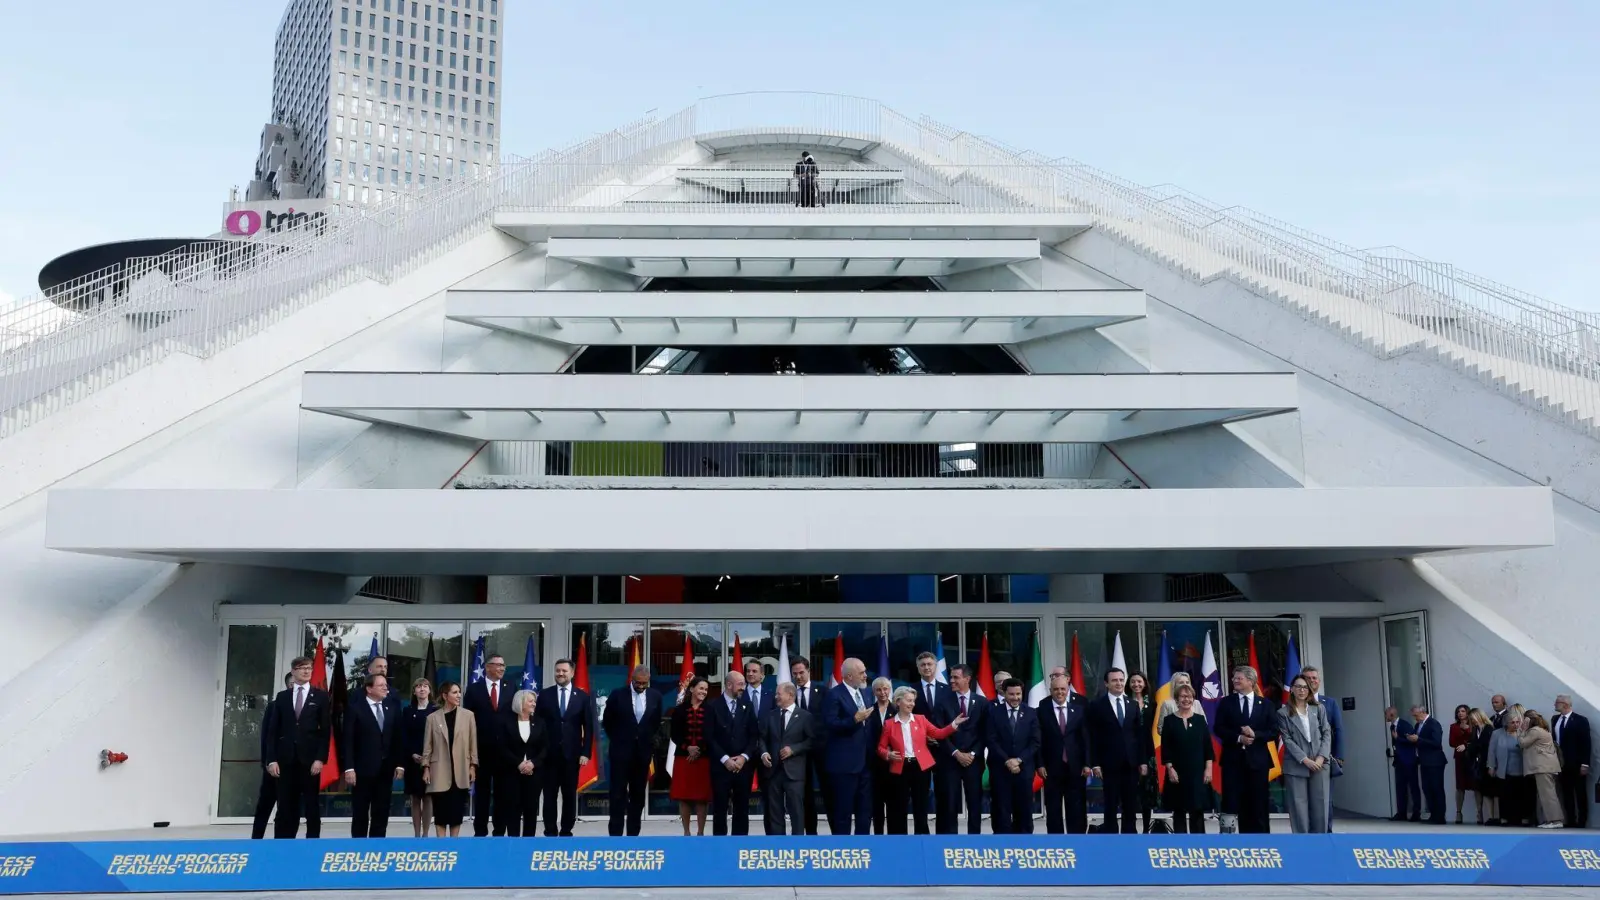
{"type": "Point", "coordinates": [200, 300]}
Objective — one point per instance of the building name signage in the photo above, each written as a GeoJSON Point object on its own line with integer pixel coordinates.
{"type": "Point", "coordinates": [277, 218]}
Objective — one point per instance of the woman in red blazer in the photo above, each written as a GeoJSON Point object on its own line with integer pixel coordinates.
{"type": "Point", "coordinates": [904, 744]}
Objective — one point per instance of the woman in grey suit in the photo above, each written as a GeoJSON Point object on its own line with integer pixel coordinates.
{"type": "Point", "coordinates": [1307, 742]}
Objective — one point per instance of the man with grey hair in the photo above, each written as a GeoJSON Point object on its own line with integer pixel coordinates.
{"type": "Point", "coordinates": [1431, 760]}
{"type": "Point", "coordinates": [1499, 705]}
{"type": "Point", "coordinates": [783, 742]}
{"type": "Point", "coordinates": [845, 717]}
{"type": "Point", "coordinates": [631, 719]}
{"type": "Point", "coordinates": [1246, 726]}
{"type": "Point", "coordinates": [1573, 745]}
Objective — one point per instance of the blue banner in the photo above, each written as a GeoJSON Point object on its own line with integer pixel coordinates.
{"type": "Point", "coordinates": [1566, 860]}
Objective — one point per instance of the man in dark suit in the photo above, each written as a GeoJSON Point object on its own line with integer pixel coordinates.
{"type": "Point", "coordinates": [930, 704]}
{"type": "Point", "coordinates": [845, 714]}
{"type": "Point", "coordinates": [1246, 726]}
{"type": "Point", "coordinates": [758, 692]}
{"type": "Point", "coordinates": [1013, 738]}
{"type": "Point", "coordinates": [731, 743]}
{"type": "Point", "coordinates": [959, 774]}
{"type": "Point", "coordinates": [569, 717]}
{"type": "Point", "coordinates": [1064, 759]}
{"type": "Point", "coordinates": [372, 758]}
{"type": "Point", "coordinates": [1407, 790]}
{"type": "Point", "coordinates": [1574, 745]}
{"type": "Point", "coordinates": [379, 665]}
{"type": "Point", "coordinates": [631, 719]}
{"type": "Point", "coordinates": [1335, 724]}
{"type": "Point", "coordinates": [1499, 705]}
{"type": "Point", "coordinates": [268, 796]}
{"type": "Point", "coordinates": [297, 748]}
{"type": "Point", "coordinates": [1431, 760]}
{"type": "Point", "coordinates": [810, 697]}
{"type": "Point", "coordinates": [489, 701]}
{"type": "Point", "coordinates": [1119, 745]}
{"type": "Point", "coordinates": [783, 743]}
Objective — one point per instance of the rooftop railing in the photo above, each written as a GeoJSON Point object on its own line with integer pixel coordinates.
{"type": "Point", "coordinates": [57, 350]}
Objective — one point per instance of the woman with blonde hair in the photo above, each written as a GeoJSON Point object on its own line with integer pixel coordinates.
{"type": "Point", "coordinates": [1543, 764]}
{"type": "Point", "coordinates": [450, 759]}
{"type": "Point", "coordinates": [1505, 766]}
{"type": "Point", "coordinates": [1488, 786]}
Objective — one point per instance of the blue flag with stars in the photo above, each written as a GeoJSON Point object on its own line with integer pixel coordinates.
{"type": "Point", "coordinates": [477, 661]}
{"type": "Point", "coordinates": [530, 667]}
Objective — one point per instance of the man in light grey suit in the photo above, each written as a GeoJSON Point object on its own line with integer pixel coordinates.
{"type": "Point", "coordinates": [783, 741]}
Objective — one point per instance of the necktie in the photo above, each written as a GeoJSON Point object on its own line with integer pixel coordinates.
{"type": "Point", "coordinates": [856, 693]}
{"type": "Point", "coordinates": [494, 696]}
{"type": "Point", "coordinates": [963, 699]}
{"type": "Point", "coordinates": [1119, 710]}
{"type": "Point", "coordinates": [563, 703]}
{"type": "Point", "coordinates": [1244, 704]}
{"type": "Point", "coordinates": [785, 722]}
{"type": "Point", "coordinates": [1013, 718]}
{"type": "Point", "coordinates": [1061, 720]}
{"type": "Point", "coordinates": [805, 697]}
{"type": "Point", "coordinates": [377, 713]}
{"type": "Point", "coordinates": [299, 699]}
{"type": "Point", "coordinates": [755, 701]}
{"type": "Point", "coordinates": [928, 689]}
{"type": "Point", "coordinates": [638, 706]}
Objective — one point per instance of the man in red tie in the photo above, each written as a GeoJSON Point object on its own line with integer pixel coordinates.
{"type": "Point", "coordinates": [959, 774]}
{"type": "Point", "coordinates": [490, 703]}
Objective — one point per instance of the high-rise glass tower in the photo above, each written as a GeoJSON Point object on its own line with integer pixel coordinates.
{"type": "Point", "coordinates": [376, 97]}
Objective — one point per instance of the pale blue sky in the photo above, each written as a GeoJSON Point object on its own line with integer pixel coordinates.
{"type": "Point", "coordinates": [1463, 131]}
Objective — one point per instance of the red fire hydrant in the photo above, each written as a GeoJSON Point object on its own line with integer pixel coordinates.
{"type": "Point", "coordinates": [110, 758]}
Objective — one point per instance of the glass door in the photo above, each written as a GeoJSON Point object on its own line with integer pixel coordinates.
{"type": "Point", "coordinates": [250, 680]}
{"type": "Point", "coordinates": [1405, 661]}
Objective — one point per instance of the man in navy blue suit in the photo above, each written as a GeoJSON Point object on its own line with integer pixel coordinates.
{"type": "Point", "coordinates": [1429, 739]}
{"type": "Point", "coordinates": [1013, 757]}
{"type": "Point", "coordinates": [1119, 745]}
{"type": "Point", "coordinates": [569, 717]}
{"type": "Point", "coordinates": [959, 774]}
{"type": "Point", "coordinates": [631, 719]}
{"type": "Point", "coordinates": [758, 692]}
{"type": "Point", "coordinates": [1063, 758]}
{"type": "Point", "coordinates": [731, 735]}
{"type": "Point", "coordinates": [1407, 792]}
{"type": "Point", "coordinates": [1247, 724]}
{"type": "Point", "coordinates": [844, 717]}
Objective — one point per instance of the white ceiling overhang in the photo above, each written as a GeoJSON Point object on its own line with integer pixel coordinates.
{"type": "Point", "coordinates": [864, 318]}
{"type": "Point", "coordinates": [428, 532]}
{"type": "Point", "coordinates": [798, 408]}
{"type": "Point", "coordinates": [792, 257]}
{"type": "Point", "coordinates": [735, 221]}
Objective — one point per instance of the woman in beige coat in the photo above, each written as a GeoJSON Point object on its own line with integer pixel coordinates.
{"type": "Point", "coordinates": [1539, 759]}
{"type": "Point", "coordinates": [450, 759]}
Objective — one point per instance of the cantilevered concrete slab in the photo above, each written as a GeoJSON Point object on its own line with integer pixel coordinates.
{"type": "Point", "coordinates": [730, 221]}
{"type": "Point", "coordinates": [798, 408]}
{"type": "Point", "coordinates": [425, 532]}
{"type": "Point", "coordinates": [870, 318]}
{"type": "Point", "coordinates": [791, 258]}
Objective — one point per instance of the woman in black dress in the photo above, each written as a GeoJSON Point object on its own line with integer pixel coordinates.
{"type": "Point", "coordinates": [413, 725]}
{"type": "Point", "coordinates": [1139, 690]}
{"type": "Point", "coordinates": [1187, 756]}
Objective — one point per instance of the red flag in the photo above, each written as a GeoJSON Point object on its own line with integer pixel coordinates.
{"type": "Point", "coordinates": [1272, 748]}
{"type": "Point", "coordinates": [590, 772]}
{"type": "Point", "coordinates": [686, 668]}
{"type": "Point", "coordinates": [738, 655]}
{"type": "Point", "coordinates": [985, 685]}
{"type": "Point", "coordinates": [1077, 668]}
{"type": "Point", "coordinates": [319, 680]}
{"type": "Point", "coordinates": [838, 659]}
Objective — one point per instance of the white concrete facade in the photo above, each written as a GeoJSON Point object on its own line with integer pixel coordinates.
{"type": "Point", "coordinates": [239, 487]}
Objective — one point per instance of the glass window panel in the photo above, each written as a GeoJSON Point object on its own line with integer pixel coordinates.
{"type": "Point", "coordinates": [907, 639]}
{"type": "Point", "coordinates": [1097, 641]}
{"type": "Point", "coordinates": [510, 640]}
{"type": "Point", "coordinates": [408, 654]}
{"type": "Point", "coordinates": [760, 640]}
{"type": "Point", "coordinates": [1010, 650]}
{"type": "Point", "coordinates": [607, 646]}
{"type": "Point", "coordinates": [250, 681]}
{"type": "Point", "coordinates": [860, 640]}
{"type": "Point", "coordinates": [948, 588]}
{"type": "Point", "coordinates": [354, 639]}
{"type": "Point", "coordinates": [608, 589]}
{"type": "Point", "coordinates": [1030, 588]}
{"type": "Point", "coordinates": [1184, 643]}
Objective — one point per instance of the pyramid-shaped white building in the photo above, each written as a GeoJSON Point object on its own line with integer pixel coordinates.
{"type": "Point", "coordinates": [654, 388]}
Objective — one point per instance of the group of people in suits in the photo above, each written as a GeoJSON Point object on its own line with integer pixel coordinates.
{"type": "Point", "coordinates": [1520, 768]}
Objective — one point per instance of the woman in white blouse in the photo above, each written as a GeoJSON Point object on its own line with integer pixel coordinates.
{"type": "Point", "coordinates": [1307, 742]}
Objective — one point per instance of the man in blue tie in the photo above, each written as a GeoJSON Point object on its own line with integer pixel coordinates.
{"type": "Point", "coordinates": [845, 719]}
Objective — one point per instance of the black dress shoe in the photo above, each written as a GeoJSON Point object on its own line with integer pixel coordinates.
{"type": "Point", "coordinates": [1397, 818]}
